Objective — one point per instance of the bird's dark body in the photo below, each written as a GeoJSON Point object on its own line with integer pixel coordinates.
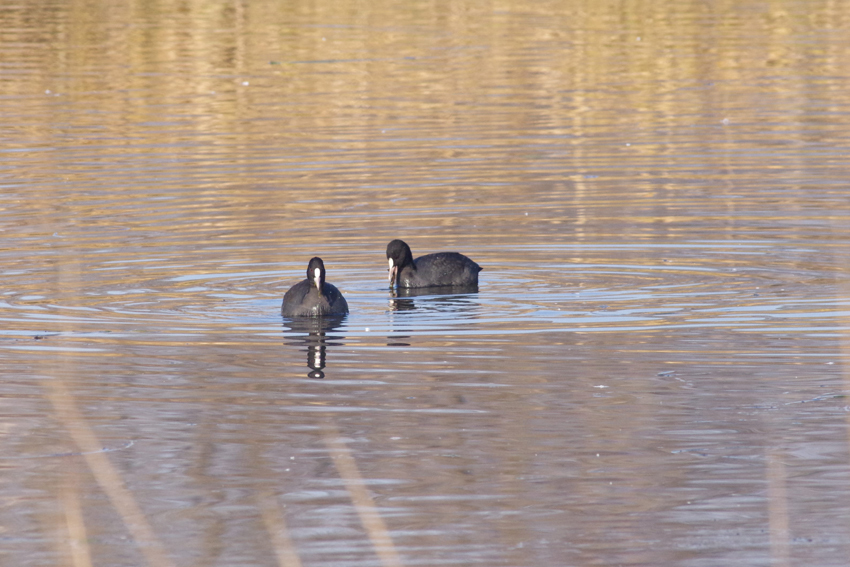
{"type": "Point", "coordinates": [304, 300]}
{"type": "Point", "coordinates": [442, 269]}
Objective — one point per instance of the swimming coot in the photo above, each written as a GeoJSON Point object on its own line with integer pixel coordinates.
{"type": "Point", "coordinates": [441, 269]}
{"type": "Point", "coordinates": [313, 297]}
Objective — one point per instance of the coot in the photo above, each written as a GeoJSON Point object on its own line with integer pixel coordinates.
{"type": "Point", "coordinates": [440, 269]}
{"type": "Point", "coordinates": [313, 297]}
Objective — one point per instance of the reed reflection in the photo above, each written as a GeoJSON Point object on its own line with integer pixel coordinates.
{"type": "Point", "coordinates": [319, 336]}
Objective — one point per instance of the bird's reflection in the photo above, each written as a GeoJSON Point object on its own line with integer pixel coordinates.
{"type": "Point", "coordinates": [317, 340]}
{"type": "Point", "coordinates": [442, 298]}
{"type": "Point", "coordinates": [438, 300]}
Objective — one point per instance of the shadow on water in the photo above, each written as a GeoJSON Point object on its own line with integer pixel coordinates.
{"type": "Point", "coordinates": [317, 339]}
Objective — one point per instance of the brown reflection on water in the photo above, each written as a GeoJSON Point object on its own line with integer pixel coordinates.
{"type": "Point", "coordinates": [652, 371]}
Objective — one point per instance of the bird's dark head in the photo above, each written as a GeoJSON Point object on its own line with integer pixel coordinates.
{"type": "Point", "coordinates": [316, 273]}
{"type": "Point", "coordinates": [398, 256]}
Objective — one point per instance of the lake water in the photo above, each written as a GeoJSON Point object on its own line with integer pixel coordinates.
{"type": "Point", "coordinates": [652, 372]}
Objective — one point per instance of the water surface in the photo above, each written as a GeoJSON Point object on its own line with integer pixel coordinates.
{"type": "Point", "coordinates": [652, 371]}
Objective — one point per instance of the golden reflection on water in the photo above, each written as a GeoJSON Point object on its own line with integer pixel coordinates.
{"type": "Point", "coordinates": [646, 184]}
{"type": "Point", "coordinates": [394, 96]}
